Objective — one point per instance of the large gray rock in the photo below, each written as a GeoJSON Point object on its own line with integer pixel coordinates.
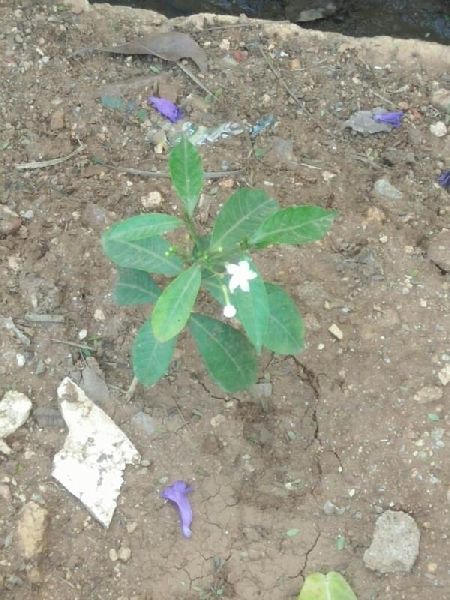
{"type": "Point", "coordinates": [395, 543]}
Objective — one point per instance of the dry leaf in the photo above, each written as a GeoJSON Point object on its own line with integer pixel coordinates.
{"type": "Point", "coordinates": [170, 46]}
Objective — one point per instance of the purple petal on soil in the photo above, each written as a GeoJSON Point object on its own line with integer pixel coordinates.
{"type": "Point", "coordinates": [389, 118]}
{"type": "Point", "coordinates": [166, 108]}
{"type": "Point", "coordinates": [177, 493]}
{"type": "Point", "coordinates": [444, 179]}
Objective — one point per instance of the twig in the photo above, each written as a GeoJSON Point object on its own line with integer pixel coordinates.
{"type": "Point", "coordinates": [131, 390]}
{"type": "Point", "coordinates": [38, 318]}
{"type": "Point", "coordinates": [367, 161]}
{"type": "Point", "coordinates": [196, 80]}
{"type": "Point", "coordinates": [74, 344]}
{"type": "Point", "coordinates": [207, 175]}
{"type": "Point", "coordinates": [309, 166]}
{"type": "Point", "coordinates": [251, 23]}
{"type": "Point", "coordinates": [50, 163]}
{"type": "Point", "coordinates": [278, 75]}
{"type": "Point", "coordinates": [383, 98]}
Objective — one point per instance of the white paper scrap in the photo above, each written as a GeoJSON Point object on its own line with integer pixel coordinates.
{"type": "Point", "coordinates": [95, 453]}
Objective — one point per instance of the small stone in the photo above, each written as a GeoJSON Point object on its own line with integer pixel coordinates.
{"type": "Point", "coordinates": [131, 527]}
{"type": "Point", "coordinates": [429, 393]}
{"type": "Point", "coordinates": [441, 99]}
{"type": "Point", "coordinates": [217, 420]}
{"type": "Point", "coordinates": [336, 332]}
{"type": "Point", "coordinates": [99, 315]}
{"type": "Point", "coordinates": [224, 44]}
{"type": "Point", "coordinates": [114, 557]}
{"type": "Point", "coordinates": [395, 543]}
{"type": "Point", "coordinates": [385, 189]}
{"type": "Point", "coordinates": [144, 423]}
{"type": "Point", "coordinates": [57, 120]}
{"type": "Point", "coordinates": [152, 199]}
{"type": "Point", "coordinates": [329, 508]}
{"type": "Point", "coordinates": [21, 360]}
{"type": "Point", "coordinates": [9, 221]}
{"type": "Point", "coordinates": [439, 129]}
{"type": "Point", "coordinates": [444, 375]}
{"type": "Point", "coordinates": [82, 334]}
{"type": "Point", "coordinates": [439, 250]}
{"type": "Point", "coordinates": [124, 554]}
{"type": "Point", "coordinates": [32, 530]}
{"type": "Point", "coordinates": [261, 390]}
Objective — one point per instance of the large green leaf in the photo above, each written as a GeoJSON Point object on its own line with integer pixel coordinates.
{"type": "Point", "coordinates": [285, 332]}
{"type": "Point", "coordinates": [135, 287]}
{"type": "Point", "coordinates": [253, 308]}
{"type": "Point", "coordinates": [174, 306]}
{"type": "Point", "coordinates": [228, 355]}
{"type": "Point", "coordinates": [213, 284]}
{"type": "Point", "coordinates": [141, 226]}
{"type": "Point", "coordinates": [240, 216]}
{"type": "Point", "coordinates": [331, 586]}
{"type": "Point", "coordinates": [150, 357]}
{"type": "Point", "coordinates": [186, 172]}
{"type": "Point", "coordinates": [294, 225]}
{"type": "Point", "coordinates": [149, 254]}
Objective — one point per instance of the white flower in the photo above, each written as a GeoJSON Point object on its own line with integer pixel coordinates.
{"type": "Point", "coordinates": [229, 311]}
{"type": "Point", "coordinates": [241, 274]}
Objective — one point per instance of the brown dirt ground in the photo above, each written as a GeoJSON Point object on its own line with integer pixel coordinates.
{"type": "Point", "coordinates": [342, 424]}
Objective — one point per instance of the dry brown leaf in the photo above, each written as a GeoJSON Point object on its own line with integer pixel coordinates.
{"type": "Point", "coordinates": [170, 46]}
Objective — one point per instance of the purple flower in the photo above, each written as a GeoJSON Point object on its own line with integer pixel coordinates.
{"type": "Point", "coordinates": [166, 108]}
{"type": "Point", "coordinates": [444, 179]}
{"type": "Point", "coordinates": [177, 493]}
{"type": "Point", "coordinates": [394, 119]}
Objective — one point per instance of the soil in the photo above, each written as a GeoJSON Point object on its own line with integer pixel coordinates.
{"type": "Point", "coordinates": [359, 424]}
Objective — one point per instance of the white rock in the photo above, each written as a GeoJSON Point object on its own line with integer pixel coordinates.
{"type": "Point", "coordinates": [444, 375]}
{"type": "Point", "coordinates": [395, 543]}
{"type": "Point", "coordinates": [152, 199]}
{"type": "Point", "coordinates": [14, 411]}
{"type": "Point", "coordinates": [95, 453]}
{"type": "Point", "coordinates": [335, 331]}
{"type": "Point", "coordinates": [31, 530]}
{"type": "Point", "coordinates": [429, 393]}
{"type": "Point", "coordinates": [124, 554]}
{"type": "Point", "coordinates": [439, 129]}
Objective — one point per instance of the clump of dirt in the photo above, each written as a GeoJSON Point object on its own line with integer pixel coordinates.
{"type": "Point", "coordinates": [355, 425]}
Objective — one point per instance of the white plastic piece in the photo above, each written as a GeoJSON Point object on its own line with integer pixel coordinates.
{"type": "Point", "coordinates": [95, 453]}
{"type": "Point", "coordinates": [14, 411]}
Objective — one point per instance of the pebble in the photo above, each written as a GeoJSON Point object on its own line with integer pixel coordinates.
{"type": "Point", "coordinates": [124, 554]}
{"type": "Point", "coordinates": [99, 315]}
{"type": "Point", "coordinates": [152, 199]}
{"type": "Point", "coordinates": [444, 375]}
{"type": "Point", "coordinates": [441, 99]}
{"type": "Point", "coordinates": [336, 332]}
{"type": "Point", "coordinates": [31, 530]}
{"type": "Point", "coordinates": [113, 555]}
{"type": "Point", "coordinates": [131, 527]}
{"type": "Point", "coordinates": [57, 120]}
{"type": "Point", "coordinates": [429, 393]}
{"type": "Point", "coordinates": [385, 189]}
{"type": "Point", "coordinates": [439, 129]}
{"type": "Point", "coordinates": [144, 423]}
{"type": "Point", "coordinates": [9, 221]}
{"type": "Point", "coordinates": [395, 543]}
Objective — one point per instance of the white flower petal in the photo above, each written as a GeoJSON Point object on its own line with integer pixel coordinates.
{"type": "Point", "coordinates": [229, 311]}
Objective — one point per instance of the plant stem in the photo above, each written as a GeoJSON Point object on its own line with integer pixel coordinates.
{"type": "Point", "coordinates": [191, 227]}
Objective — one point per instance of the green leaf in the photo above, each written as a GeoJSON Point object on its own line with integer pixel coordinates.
{"type": "Point", "coordinates": [331, 586]}
{"type": "Point", "coordinates": [294, 225]}
{"type": "Point", "coordinates": [174, 306]}
{"type": "Point", "coordinates": [150, 357]}
{"type": "Point", "coordinates": [141, 226]}
{"type": "Point", "coordinates": [212, 283]}
{"type": "Point", "coordinates": [253, 308]}
{"type": "Point", "coordinates": [186, 173]}
{"type": "Point", "coordinates": [285, 331]}
{"type": "Point", "coordinates": [135, 287]}
{"type": "Point", "coordinates": [240, 216]}
{"type": "Point", "coordinates": [151, 255]}
{"type": "Point", "coordinates": [228, 355]}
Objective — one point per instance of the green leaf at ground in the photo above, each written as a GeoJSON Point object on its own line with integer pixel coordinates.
{"type": "Point", "coordinates": [294, 225]}
{"type": "Point", "coordinates": [228, 355]}
{"type": "Point", "coordinates": [174, 306]}
{"type": "Point", "coordinates": [141, 226]}
{"type": "Point", "coordinates": [285, 331]}
{"type": "Point", "coordinates": [135, 287]}
{"type": "Point", "coordinates": [186, 173]}
{"type": "Point", "coordinates": [240, 216]}
{"type": "Point", "coordinates": [253, 308]}
{"type": "Point", "coordinates": [331, 586]}
{"type": "Point", "coordinates": [152, 255]}
{"type": "Point", "coordinates": [150, 357]}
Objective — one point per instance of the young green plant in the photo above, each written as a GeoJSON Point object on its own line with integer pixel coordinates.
{"type": "Point", "coordinates": [219, 263]}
